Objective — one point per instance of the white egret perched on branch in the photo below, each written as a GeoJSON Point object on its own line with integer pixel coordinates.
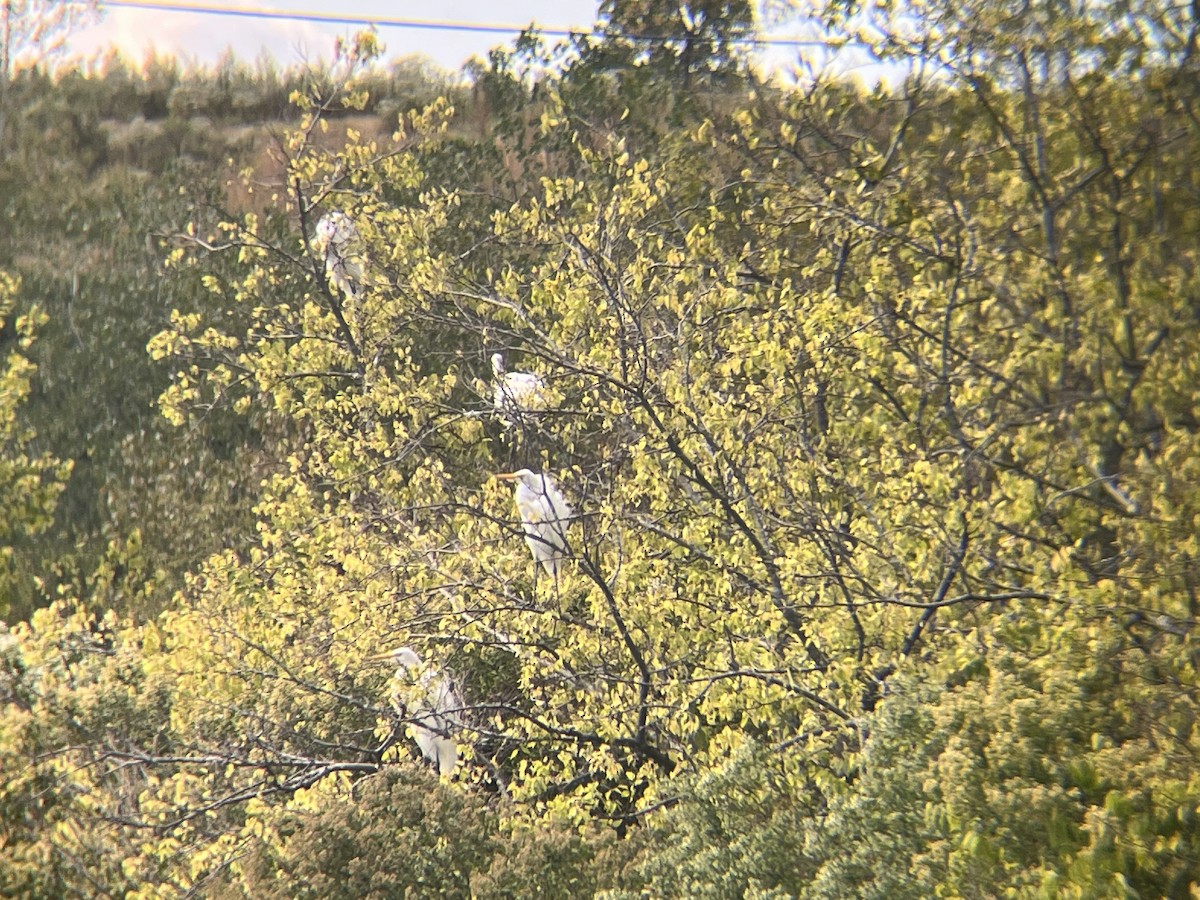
{"type": "Point", "coordinates": [431, 705]}
{"type": "Point", "coordinates": [545, 515]}
{"type": "Point", "coordinates": [517, 392]}
{"type": "Point", "coordinates": [336, 241]}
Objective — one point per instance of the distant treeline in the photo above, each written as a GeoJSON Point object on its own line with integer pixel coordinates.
{"type": "Point", "coordinates": [166, 106]}
{"type": "Point", "coordinates": [232, 90]}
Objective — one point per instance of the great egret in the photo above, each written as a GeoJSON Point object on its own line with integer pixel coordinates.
{"type": "Point", "coordinates": [517, 392]}
{"type": "Point", "coordinates": [545, 515]}
{"type": "Point", "coordinates": [430, 705]}
{"type": "Point", "coordinates": [335, 240]}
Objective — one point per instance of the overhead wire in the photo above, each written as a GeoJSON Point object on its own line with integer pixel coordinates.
{"type": "Point", "coordinates": [248, 12]}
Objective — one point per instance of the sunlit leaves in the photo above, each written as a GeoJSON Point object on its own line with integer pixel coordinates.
{"type": "Point", "coordinates": [30, 481]}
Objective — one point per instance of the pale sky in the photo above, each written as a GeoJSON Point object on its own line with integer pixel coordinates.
{"type": "Point", "coordinates": [203, 38]}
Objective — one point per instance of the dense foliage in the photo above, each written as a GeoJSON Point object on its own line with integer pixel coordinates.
{"type": "Point", "coordinates": [878, 413]}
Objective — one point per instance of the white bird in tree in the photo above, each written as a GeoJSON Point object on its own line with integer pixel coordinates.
{"type": "Point", "coordinates": [429, 703]}
{"type": "Point", "coordinates": [545, 515]}
{"type": "Point", "coordinates": [336, 240]}
{"type": "Point", "coordinates": [517, 392]}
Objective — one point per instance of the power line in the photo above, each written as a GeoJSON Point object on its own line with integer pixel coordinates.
{"type": "Point", "coordinates": [246, 12]}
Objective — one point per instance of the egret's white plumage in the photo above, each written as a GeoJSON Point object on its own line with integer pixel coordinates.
{"type": "Point", "coordinates": [431, 705]}
{"type": "Point", "coordinates": [336, 240]}
{"type": "Point", "coordinates": [517, 392]}
{"type": "Point", "coordinates": [545, 515]}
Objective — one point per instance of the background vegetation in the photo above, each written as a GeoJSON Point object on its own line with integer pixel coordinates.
{"type": "Point", "coordinates": [878, 411]}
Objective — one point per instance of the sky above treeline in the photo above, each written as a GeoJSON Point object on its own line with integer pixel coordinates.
{"type": "Point", "coordinates": [449, 33]}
